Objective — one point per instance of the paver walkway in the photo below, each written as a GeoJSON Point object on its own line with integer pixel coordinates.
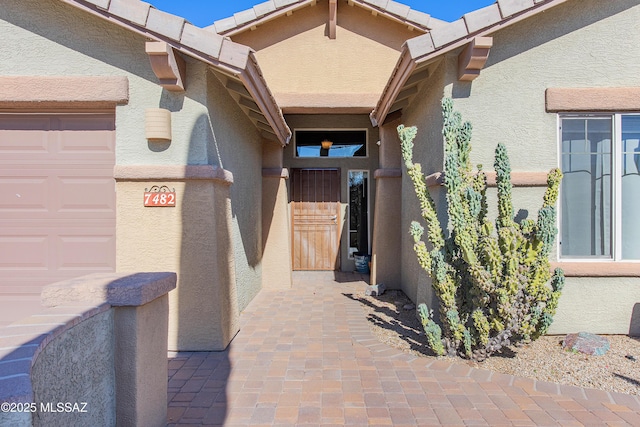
{"type": "Point", "coordinates": [306, 356]}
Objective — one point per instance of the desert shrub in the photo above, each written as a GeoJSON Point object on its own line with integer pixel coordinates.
{"type": "Point", "coordinates": [492, 279]}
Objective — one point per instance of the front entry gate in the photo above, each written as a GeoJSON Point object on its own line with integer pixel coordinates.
{"type": "Point", "coordinates": [315, 209]}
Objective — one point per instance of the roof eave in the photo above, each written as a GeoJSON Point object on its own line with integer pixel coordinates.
{"type": "Point", "coordinates": [221, 53]}
{"type": "Point", "coordinates": [403, 69]}
{"type": "Point", "coordinates": [253, 80]}
{"type": "Point", "coordinates": [406, 66]}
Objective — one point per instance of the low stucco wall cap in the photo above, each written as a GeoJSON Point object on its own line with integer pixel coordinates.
{"type": "Point", "coordinates": [116, 289]}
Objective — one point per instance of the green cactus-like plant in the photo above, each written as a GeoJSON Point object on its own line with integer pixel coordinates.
{"type": "Point", "coordinates": [492, 279]}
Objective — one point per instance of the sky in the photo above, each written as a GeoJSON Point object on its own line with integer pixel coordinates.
{"type": "Point", "coordinates": [204, 12]}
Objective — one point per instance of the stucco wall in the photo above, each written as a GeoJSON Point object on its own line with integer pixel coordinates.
{"type": "Point", "coordinates": [236, 146]}
{"type": "Point", "coordinates": [581, 43]}
{"type": "Point", "coordinates": [47, 37]}
{"type": "Point", "coordinates": [370, 163]}
{"type": "Point", "coordinates": [297, 57]}
{"type": "Point", "coordinates": [599, 305]}
{"type": "Point", "coordinates": [140, 353]}
{"type": "Point", "coordinates": [57, 379]}
{"type": "Point", "coordinates": [576, 44]}
{"type": "Point", "coordinates": [426, 114]}
{"type": "Point", "coordinates": [44, 38]}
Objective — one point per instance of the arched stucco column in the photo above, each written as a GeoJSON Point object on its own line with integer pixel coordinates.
{"type": "Point", "coordinates": [193, 239]}
{"type": "Point", "coordinates": [276, 235]}
{"type": "Point", "coordinates": [385, 257]}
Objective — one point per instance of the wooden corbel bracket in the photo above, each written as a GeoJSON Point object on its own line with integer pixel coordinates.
{"type": "Point", "coordinates": [473, 58]}
{"type": "Point", "coordinates": [168, 65]}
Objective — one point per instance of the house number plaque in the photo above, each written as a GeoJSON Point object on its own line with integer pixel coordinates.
{"type": "Point", "coordinates": [160, 196]}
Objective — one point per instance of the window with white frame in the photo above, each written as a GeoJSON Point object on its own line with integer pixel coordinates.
{"type": "Point", "coordinates": [600, 193]}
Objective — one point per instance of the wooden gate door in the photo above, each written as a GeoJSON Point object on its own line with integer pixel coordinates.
{"type": "Point", "coordinates": [315, 201]}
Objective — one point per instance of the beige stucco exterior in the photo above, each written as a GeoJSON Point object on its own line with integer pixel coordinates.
{"type": "Point", "coordinates": [194, 240]}
{"type": "Point", "coordinates": [229, 234]}
{"type": "Point", "coordinates": [575, 47]}
{"type": "Point", "coordinates": [140, 356]}
{"type": "Point", "coordinates": [276, 225]}
{"type": "Point", "coordinates": [95, 353]}
{"type": "Point", "coordinates": [387, 239]}
{"type": "Point", "coordinates": [55, 378]}
{"type": "Point", "coordinates": [213, 238]}
{"type": "Point", "coordinates": [305, 68]}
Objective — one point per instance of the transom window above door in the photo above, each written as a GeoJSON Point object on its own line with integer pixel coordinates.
{"type": "Point", "coordinates": [331, 143]}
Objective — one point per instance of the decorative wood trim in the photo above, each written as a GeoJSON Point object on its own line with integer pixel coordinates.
{"type": "Point", "coordinates": [168, 65]}
{"type": "Point", "coordinates": [593, 99]}
{"type": "Point", "coordinates": [518, 179]}
{"type": "Point", "coordinates": [333, 18]}
{"type": "Point", "coordinates": [63, 92]}
{"type": "Point", "coordinates": [172, 173]}
{"type": "Point", "coordinates": [473, 58]}
{"type": "Point", "coordinates": [275, 173]}
{"type": "Point", "coordinates": [598, 269]}
{"type": "Point", "coordinates": [388, 173]}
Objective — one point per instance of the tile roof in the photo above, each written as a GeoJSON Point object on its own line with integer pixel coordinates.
{"type": "Point", "coordinates": [225, 55]}
{"type": "Point", "coordinates": [272, 9]}
{"type": "Point", "coordinates": [424, 48]}
{"type": "Point", "coordinates": [471, 23]}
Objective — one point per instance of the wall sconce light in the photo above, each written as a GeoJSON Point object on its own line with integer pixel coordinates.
{"type": "Point", "coordinates": [157, 124]}
{"type": "Point", "coordinates": [326, 144]}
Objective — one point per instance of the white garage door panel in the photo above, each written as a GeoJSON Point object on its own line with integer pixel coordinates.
{"type": "Point", "coordinates": [86, 251]}
{"type": "Point", "coordinates": [88, 138]}
{"type": "Point", "coordinates": [15, 143]}
{"type": "Point", "coordinates": [64, 194]}
{"type": "Point", "coordinates": [86, 195]}
{"type": "Point", "coordinates": [57, 199]}
{"type": "Point", "coordinates": [27, 250]}
{"type": "Point", "coordinates": [22, 195]}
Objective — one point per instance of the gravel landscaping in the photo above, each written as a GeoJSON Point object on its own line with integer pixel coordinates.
{"type": "Point", "coordinates": [396, 325]}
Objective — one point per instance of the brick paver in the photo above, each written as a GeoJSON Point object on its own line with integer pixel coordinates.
{"type": "Point", "coordinates": [306, 356]}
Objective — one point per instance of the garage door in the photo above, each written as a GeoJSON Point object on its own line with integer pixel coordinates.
{"type": "Point", "coordinates": [57, 199]}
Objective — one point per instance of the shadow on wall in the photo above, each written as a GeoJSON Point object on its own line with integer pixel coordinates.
{"type": "Point", "coordinates": [246, 191]}
{"type": "Point", "coordinates": [200, 297]}
{"type": "Point", "coordinates": [634, 327]}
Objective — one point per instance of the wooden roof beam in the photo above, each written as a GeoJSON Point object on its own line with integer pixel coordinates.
{"type": "Point", "coordinates": [238, 88]}
{"type": "Point", "coordinates": [333, 18]}
{"type": "Point", "coordinates": [473, 58]}
{"type": "Point", "coordinates": [417, 77]}
{"type": "Point", "coordinates": [168, 65]}
{"type": "Point", "coordinates": [258, 117]}
{"type": "Point", "coordinates": [245, 102]}
{"type": "Point", "coordinates": [407, 93]}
